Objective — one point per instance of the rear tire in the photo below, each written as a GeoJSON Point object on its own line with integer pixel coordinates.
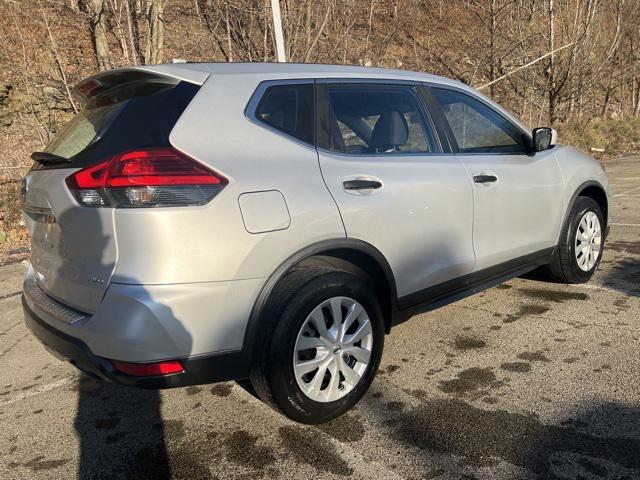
{"type": "Point", "coordinates": [301, 325]}
{"type": "Point", "coordinates": [581, 244]}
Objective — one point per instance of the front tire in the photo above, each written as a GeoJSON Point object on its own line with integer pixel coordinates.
{"type": "Point", "coordinates": [321, 343]}
{"type": "Point", "coordinates": [579, 251]}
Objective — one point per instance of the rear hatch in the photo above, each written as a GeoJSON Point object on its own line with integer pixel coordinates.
{"type": "Point", "coordinates": [73, 246]}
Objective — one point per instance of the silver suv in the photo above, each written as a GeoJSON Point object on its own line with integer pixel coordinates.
{"type": "Point", "coordinates": [270, 223]}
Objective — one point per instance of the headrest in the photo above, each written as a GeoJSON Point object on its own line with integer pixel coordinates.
{"type": "Point", "coordinates": [390, 131]}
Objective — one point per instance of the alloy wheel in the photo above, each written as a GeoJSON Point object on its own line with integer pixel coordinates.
{"type": "Point", "coordinates": [333, 349]}
{"type": "Point", "coordinates": [588, 241]}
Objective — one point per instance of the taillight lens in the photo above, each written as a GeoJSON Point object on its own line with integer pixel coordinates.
{"type": "Point", "coordinates": [145, 178]}
{"type": "Point", "coordinates": [151, 369]}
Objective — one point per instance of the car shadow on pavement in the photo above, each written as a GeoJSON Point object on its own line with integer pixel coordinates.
{"type": "Point", "coordinates": [120, 431]}
{"type": "Point", "coordinates": [621, 274]}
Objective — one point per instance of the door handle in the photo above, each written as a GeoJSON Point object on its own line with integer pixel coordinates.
{"type": "Point", "coordinates": [361, 184]}
{"type": "Point", "coordinates": [485, 178]}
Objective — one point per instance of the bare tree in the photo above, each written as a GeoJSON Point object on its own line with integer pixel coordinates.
{"type": "Point", "coordinates": [118, 17]}
{"type": "Point", "coordinates": [58, 61]}
{"type": "Point", "coordinates": [155, 31]}
{"type": "Point", "coordinates": [132, 31]}
{"type": "Point", "coordinates": [498, 43]}
{"type": "Point", "coordinates": [96, 11]}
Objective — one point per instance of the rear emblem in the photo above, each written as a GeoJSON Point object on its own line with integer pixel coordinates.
{"type": "Point", "coordinates": [97, 280]}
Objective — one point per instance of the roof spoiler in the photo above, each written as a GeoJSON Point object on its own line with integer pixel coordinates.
{"type": "Point", "coordinates": [104, 81]}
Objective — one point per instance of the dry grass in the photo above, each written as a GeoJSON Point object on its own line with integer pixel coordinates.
{"type": "Point", "coordinates": [13, 235]}
{"type": "Point", "coordinates": [616, 137]}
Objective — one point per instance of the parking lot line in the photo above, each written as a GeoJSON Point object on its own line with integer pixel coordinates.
{"type": "Point", "coordinates": [63, 382]}
{"type": "Point", "coordinates": [626, 192]}
{"type": "Point", "coordinates": [626, 224]}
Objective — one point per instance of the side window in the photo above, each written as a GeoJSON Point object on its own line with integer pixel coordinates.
{"type": "Point", "coordinates": [377, 119]}
{"type": "Point", "coordinates": [288, 108]}
{"type": "Point", "coordinates": [478, 128]}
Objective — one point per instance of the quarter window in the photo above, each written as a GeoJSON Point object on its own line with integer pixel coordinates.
{"type": "Point", "coordinates": [288, 108]}
{"type": "Point", "coordinates": [377, 119]}
{"type": "Point", "coordinates": [478, 128]}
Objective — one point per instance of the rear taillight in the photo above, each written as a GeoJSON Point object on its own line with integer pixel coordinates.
{"type": "Point", "coordinates": [145, 178]}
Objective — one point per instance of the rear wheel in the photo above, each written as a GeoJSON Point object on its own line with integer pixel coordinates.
{"type": "Point", "coordinates": [323, 340]}
{"type": "Point", "coordinates": [579, 251]}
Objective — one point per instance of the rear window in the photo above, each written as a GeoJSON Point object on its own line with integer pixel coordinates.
{"type": "Point", "coordinates": [288, 108]}
{"type": "Point", "coordinates": [134, 115]}
{"type": "Point", "coordinates": [85, 128]}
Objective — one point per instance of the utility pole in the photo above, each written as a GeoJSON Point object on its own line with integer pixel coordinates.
{"type": "Point", "coordinates": [552, 64]}
{"type": "Point", "coordinates": [277, 28]}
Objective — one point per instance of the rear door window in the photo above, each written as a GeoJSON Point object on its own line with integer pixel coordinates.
{"type": "Point", "coordinates": [289, 109]}
{"type": "Point", "coordinates": [377, 119]}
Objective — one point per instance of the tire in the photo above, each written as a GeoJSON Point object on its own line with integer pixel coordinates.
{"type": "Point", "coordinates": [565, 266]}
{"type": "Point", "coordinates": [289, 309]}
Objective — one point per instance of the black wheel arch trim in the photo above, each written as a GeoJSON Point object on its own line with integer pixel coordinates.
{"type": "Point", "coordinates": [576, 194]}
{"type": "Point", "coordinates": [324, 246]}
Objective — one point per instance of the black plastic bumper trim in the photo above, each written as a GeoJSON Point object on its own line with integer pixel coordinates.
{"type": "Point", "coordinates": [201, 369]}
{"type": "Point", "coordinates": [453, 290]}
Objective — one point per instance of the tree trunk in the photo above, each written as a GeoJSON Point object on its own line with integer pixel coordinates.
{"type": "Point", "coordinates": [134, 13]}
{"type": "Point", "coordinates": [553, 95]}
{"type": "Point", "coordinates": [155, 31]}
{"type": "Point", "coordinates": [58, 60]}
{"type": "Point", "coordinates": [117, 28]}
{"type": "Point", "coordinates": [492, 45]}
{"type": "Point", "coordinates": [228, 30]}
{"type": "Point", "coordinates": [96, 11]}
{"type": "Point", "coordinates": [132, 30]}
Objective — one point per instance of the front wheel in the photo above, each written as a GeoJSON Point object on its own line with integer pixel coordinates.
{"type": "Point", "coordinates": [579, 251]}
{"type": "Point", "coordinates": [323, 341]}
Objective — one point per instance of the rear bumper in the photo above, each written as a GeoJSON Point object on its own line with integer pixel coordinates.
{"type": "Point", "coordinates": [144, 323]}
{"type": "Point", "coordinates": [197, 370]}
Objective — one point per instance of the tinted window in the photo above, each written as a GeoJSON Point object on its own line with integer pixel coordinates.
{"type": "Point", "coordinates": [85, 128]}
{"type": "Point", "coordinates": [128, 117]}
{"type": "Point", "coordinates": [377, 119]}
{"type": "Point", "coordinates": [478, 128]}
{"type": "Point", "coordinates": [288, 108]}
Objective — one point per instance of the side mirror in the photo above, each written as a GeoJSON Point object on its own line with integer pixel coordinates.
{"type": "Point", "coordinates": [544, 138]}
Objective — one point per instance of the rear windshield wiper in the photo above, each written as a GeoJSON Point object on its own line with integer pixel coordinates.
{"type": "Point", "coordinates": [46, 158]}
